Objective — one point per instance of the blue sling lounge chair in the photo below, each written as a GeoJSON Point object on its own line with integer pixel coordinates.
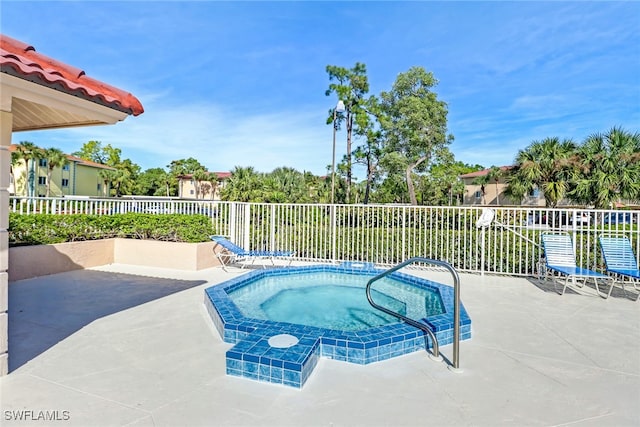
{"type": "Point", "coordinates": [560, 258]}
{"type": "Point", "coordinates": [232, 253]}
{"type": "Point", "coordinates": [620, 259]}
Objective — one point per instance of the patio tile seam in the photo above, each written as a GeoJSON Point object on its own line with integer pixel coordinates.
{"type": "Point", "coordinates": [71, 378]}
{"type": "Point", "coordinates": [570, 344]}
{"type": "Point", "coordinates": [198, 391]}
{"type": "Point", "coordinates": [581, 420]}
{"type": "Point", "coordinates": [554, 359]}
{"type": "Point", "coordinates": [139, 420]}
{"type": "Point", "coordinates": [96, 396]}
{"type": "Point", "coordinates": [533, 369]}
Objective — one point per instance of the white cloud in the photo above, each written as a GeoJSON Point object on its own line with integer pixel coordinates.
{"type": "Point", "coordinates": [220, 139]}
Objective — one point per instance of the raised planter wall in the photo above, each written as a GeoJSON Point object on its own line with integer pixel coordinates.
{"type": "Point", "coordinates": [152, 253]}
{"type": "Point", "coordinates": [40, 260]}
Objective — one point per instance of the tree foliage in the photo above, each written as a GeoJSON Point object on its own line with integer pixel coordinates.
{"type": "Point", "coordinates": [608, 169]}
{"type": "Point", "coordinates": [122, 178]}
{"type": "Point", "coordinates": [414, 122]}
{"type": "Point", "coordinates": [154, 182]}
{"type": "Point", "coordinates": [93, 151]}
{"type": "Point", "coordinates": [28, 152]}
{"type": "Point", "coordinates": [546, 165]}
{"type": "Point", "coordinates": [244, 185]}
{"type": "Point", "coordinates": [492, 176]}
{"type": "Point", "coordinates": [55, 158]}
{"type": "Point", "coordinates": [351, 86]}
{"type": "Point", "coordinates": [442, 186]}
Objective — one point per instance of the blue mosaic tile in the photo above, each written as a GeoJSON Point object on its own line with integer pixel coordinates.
{"type": "Point", "coordinates": [264, 372]}
{"type": "Point", "coordinates": [234, 364]}
{"type": "Point", "coordinates": [234, 355]}
{"type": "Point", "coordinates": [276, 374]}
{"type": "Point", "coordinates": [234, 372]}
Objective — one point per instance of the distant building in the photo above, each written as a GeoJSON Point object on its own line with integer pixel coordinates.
{"type": "Point", "coordinates": [490, 193]}
{"type": "Point", "coordinates": [189, 188]}
{"type": "Point", "coordinates": [78, 177]}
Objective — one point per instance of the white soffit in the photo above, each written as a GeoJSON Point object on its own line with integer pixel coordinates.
{"type": "Point", "coordinates": [39, 107]}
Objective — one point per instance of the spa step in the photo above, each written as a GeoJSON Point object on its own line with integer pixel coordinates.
{"type": "Point", "coordinates": [280, 359]}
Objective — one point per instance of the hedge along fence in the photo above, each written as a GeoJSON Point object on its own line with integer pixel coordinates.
{"type": "Point", "coordinates": [42, 229]}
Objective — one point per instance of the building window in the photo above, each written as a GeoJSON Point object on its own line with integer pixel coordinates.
{"type": "Point", "coordinates": [65, 182]}
{"type": "Point", "coordinates": [99, 186]}
{"type": "Point", "coordinates": [478, 194]}
{"type": "Point", "coordinates": [65, 167]}
{"type": "Point", "coordinates": [42, 162]}
{"type": "Point", "coordinates": [42, 180]}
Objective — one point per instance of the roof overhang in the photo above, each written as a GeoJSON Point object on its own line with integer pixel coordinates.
{"type": "Point", "coordinates": [35, 107]}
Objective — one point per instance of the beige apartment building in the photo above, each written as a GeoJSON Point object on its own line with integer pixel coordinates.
{"type": "Point", "coordinates": [209, 189]}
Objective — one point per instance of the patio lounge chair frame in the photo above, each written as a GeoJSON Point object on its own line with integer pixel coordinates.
{"type": "Point", "coordinates": [560, 258]}
{"type": "Point", "coordinates": [234, 254]}
{"type": "Point", "coordinates": [620, 260]}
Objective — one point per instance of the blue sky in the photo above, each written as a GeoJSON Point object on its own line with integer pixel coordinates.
{"type": "Point", "coordinates": [243, 83]}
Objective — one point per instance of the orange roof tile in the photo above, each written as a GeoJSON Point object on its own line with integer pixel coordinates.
{"type": "Point", "coordinates": [21, 60]}
{"type": "Point", "coordinates": [484, 172]}
{"type": "Point", "coordinates": [221, 175]}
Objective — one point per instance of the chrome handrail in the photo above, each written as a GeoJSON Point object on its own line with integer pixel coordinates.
{"type": "Point", "coordinates": [422, 326]}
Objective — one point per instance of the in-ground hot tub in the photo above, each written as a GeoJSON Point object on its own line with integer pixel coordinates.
{"type": "Point", "coordinates": [282, 320]}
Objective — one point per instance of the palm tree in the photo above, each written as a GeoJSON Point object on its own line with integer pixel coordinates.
{"type": "Point", "coordinates": [109, 176]}
{"type": "Point", "coordinates": [244, 185]}
{"type": "Point", "coordinates": [482, 181]}
{"type": "Point", "coordinates": [547, 165]}
{"type": "Point", "coordinates": [212, 179]}
{"type": "Point", "coordinates": [494, 175]}
{"type": "Point", "coordinates": [128, 173]}
{"type": "Point", "coordinates": [122, 181]}
{"type": "Point", "coordinates": [198, 176]}
{"type": "Point", "coordinates": [28, 151]}
{"type": "Point", "coordinates": [609, 169]}
{"type": "Point", "coordinates": [55, 158]}
{"type": "Point", "coordinates": [285, 185]}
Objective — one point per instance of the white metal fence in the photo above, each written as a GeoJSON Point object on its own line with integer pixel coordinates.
{"type": "Point", "coordinates": [382, 234]}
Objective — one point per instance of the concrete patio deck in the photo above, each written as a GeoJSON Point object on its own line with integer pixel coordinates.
{"type": "Point", "coordinates": [124, 345]}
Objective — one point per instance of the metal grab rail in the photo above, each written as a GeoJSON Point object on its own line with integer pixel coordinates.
{"type": "Point", "coordinates": [422, 326]}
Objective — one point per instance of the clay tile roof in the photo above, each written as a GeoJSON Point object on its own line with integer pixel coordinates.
{"type": "Point", "coordinates": [21, 60]}
{"type": "Point", "coordinates": [88, 162]}
{"type": "Point", "coordinates": [484, 172]}
{"type": "Point", "coordinates": [221, 175]}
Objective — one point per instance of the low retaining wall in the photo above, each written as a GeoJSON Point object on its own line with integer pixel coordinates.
{"type": "Point", "coordinates": [152, 253]}
{"type": "Point", "coordinates": [40, 260]}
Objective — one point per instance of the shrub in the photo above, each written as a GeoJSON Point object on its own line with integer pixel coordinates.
{"type": "Point", "coordinates": [42, 229]}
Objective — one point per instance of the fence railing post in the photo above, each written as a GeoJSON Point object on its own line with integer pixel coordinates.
{"type": "Point", "coordinates": [272, 229]}
{"type": "Point", "coordinates": [247, 226]}
{"type": "Point", "coordinates": [232, 221]}
{"type": "Point", "coordinates": [482, 249]}
{"type": "Point", "coordinates": [404, 234]}
{"type": "Point", "coordinates": [334, 229]}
